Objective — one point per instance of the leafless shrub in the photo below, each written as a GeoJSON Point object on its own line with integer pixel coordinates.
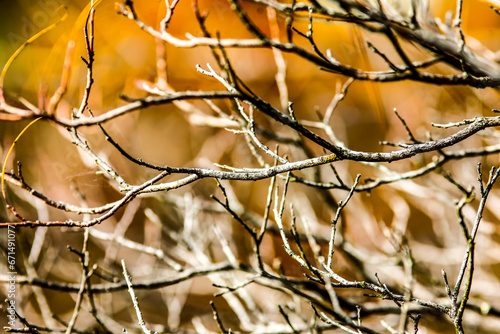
{"type": "Point", "coordinates": [348, 229]}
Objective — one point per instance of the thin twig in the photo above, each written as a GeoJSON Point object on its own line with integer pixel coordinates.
{"type": "Point", "coordinates": [88, 32]}
{"type": "Point", "coordinates": [135, 302]}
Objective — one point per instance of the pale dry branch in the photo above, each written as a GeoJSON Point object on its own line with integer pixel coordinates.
{"type": "Point", "coordinates": [176, 203]}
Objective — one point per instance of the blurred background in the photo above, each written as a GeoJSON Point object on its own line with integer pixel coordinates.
{"type": "Point", "coordinates": [125, 57]}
